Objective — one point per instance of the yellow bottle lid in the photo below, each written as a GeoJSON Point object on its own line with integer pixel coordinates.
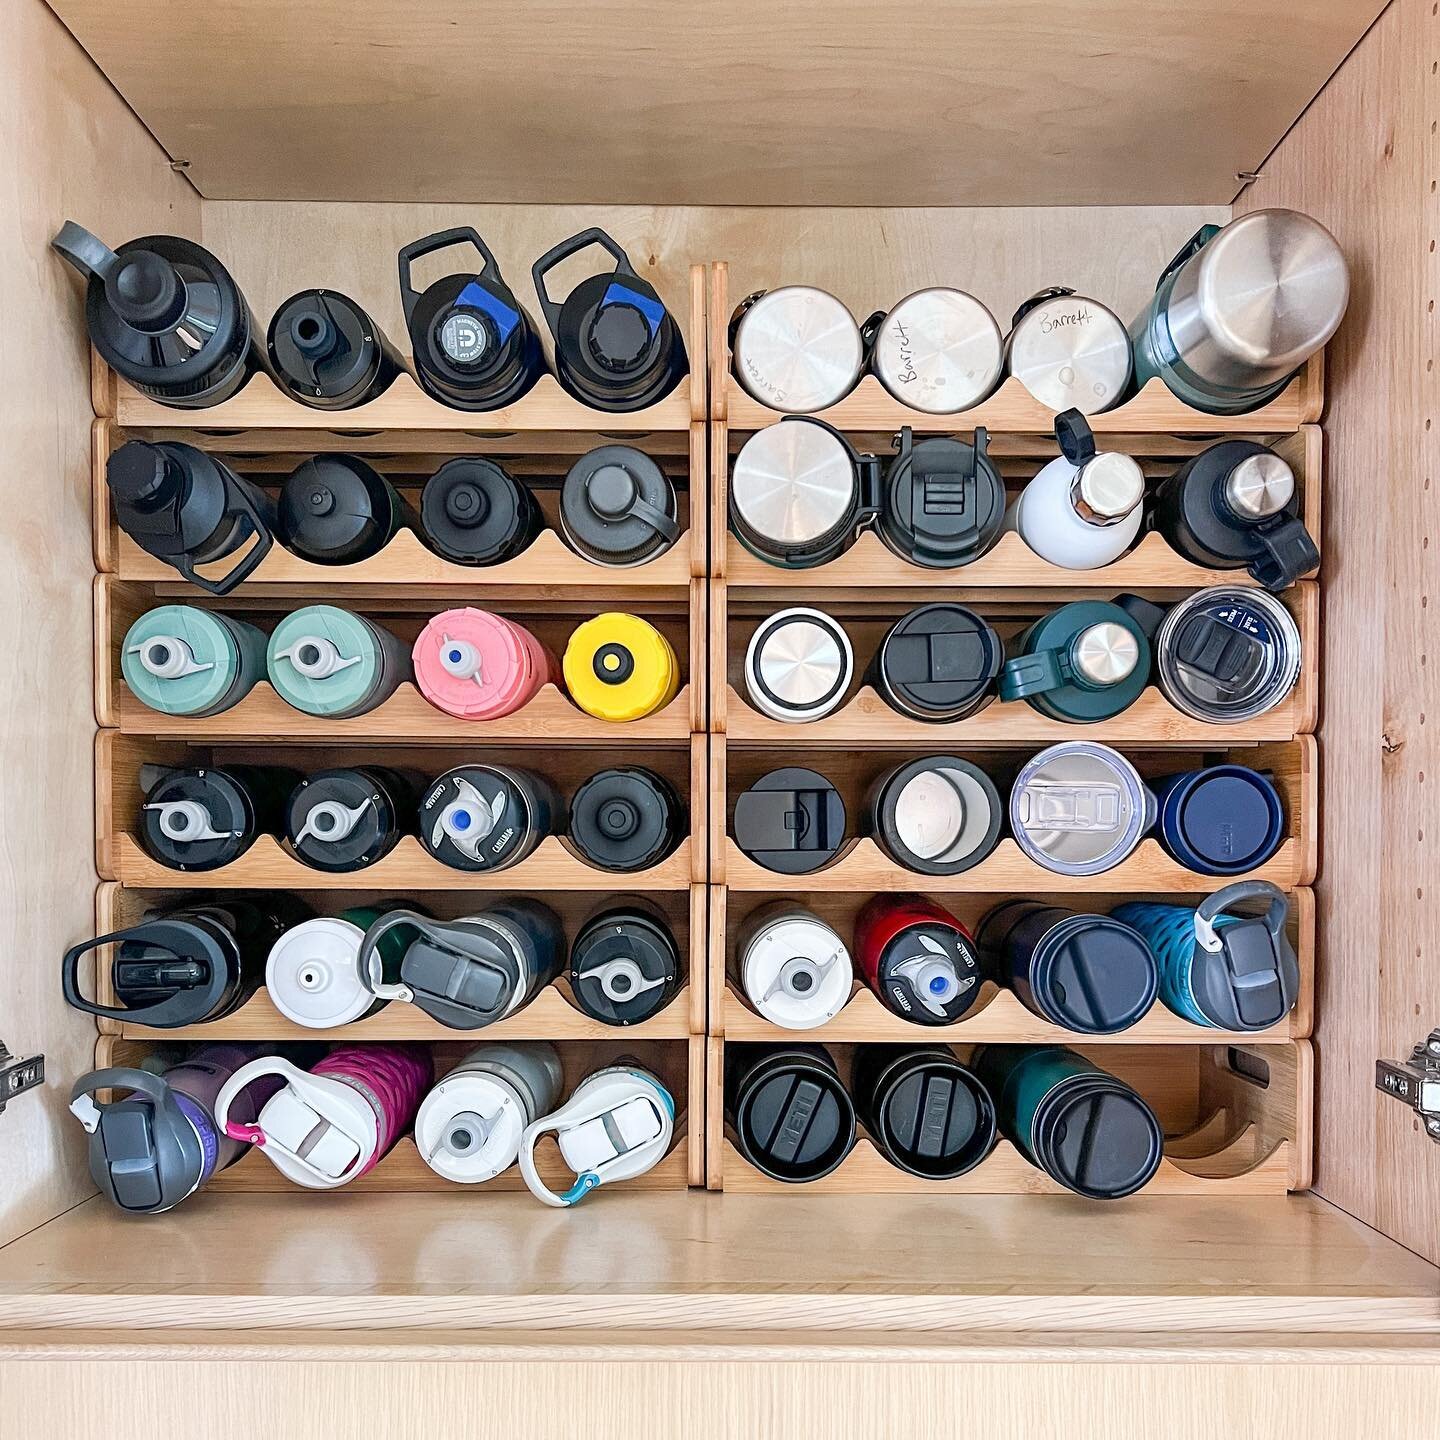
{"type": "Point", "coordinates": [620, 667]}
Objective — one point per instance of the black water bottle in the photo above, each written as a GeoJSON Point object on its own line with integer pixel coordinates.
{"type": "Point", "coordinates": [164, 313]}
{"type": "Point", "coordinates": [616, 346]}
{"type": "Point", "coordinates": [337, 510]}
{"type": "Point", "coordinates": [327, 353]}
{"type": "Point", "coordinates": [187, 966]}
{"type": "Point", "coordinates": [1234, 506]}
{"type": "Point", "coordinates": [202, 818]}
{"type": "Point", "coordinates": [345, 819]}
{"type": "Point", "coordinates": [474, 512]}
{"type": "Point", "coordinates": [624, 964]}
{"type": "Point", "coordinates": [188, 509]}
{"type": "Point", "coordinates": [475, 348]}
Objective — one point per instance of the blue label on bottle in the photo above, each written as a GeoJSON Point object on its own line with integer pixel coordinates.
{"type": "Point", "coordinates": [476, 297]}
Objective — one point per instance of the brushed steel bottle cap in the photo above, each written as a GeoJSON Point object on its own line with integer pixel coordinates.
{"type": "Point", "coordinates": [1106, 654]}
{"type": "Point", "coordinates": [1109, 486]}
{"type": "Point", "coordinates": [798, 665]}
{"type": "Point", "coordinates": [792, 483]}
{"type": "Point", "coordinates": [1259, 486]}
{"type": "Point", "coordinates": [1071, 352]}
{"type": "Point", "coordinates": [939, 351]}
{"type": "Point", "coordinates": [797, 349]}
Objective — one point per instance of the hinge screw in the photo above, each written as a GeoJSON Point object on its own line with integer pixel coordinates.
{"type": "Point", "coordinates": [179, 164]}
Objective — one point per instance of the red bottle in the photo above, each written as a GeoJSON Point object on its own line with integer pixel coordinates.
{"type": "Point", "coordinates": [919, 959]}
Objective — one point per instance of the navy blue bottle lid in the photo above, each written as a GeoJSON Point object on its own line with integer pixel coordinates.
{"type": "Point", "coordinates": [1222, 820]}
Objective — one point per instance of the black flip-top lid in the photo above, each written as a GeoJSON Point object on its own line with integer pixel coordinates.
{"type": "Point", "coordinates": [624, 965]}
{"type": "Point", "coordinates": [946, 500]}
{"type": "Point", "coordinates": [793, 1117]}
{"type": "Point", "coordinates": [791, 821]}
{"type": "Point", "coordinates": [625, 819]}
{"type": "Point", "coordinates": [618, 506]}
{"type": "Point", "coordinates": [1096, 1136]}
{"type": "Point", "coordinates": [186, 962]}
{"type": "Point", "coordinates": [940, 659]}
{"type": "Point", "coordinates": [197, 819]}
{"type": "Point", "coordinates": [1225, 654]}
{"type": "Point", "coordinates": [335, 509]}
{"type": "Point", "coordinates": [344, 819]}
{"type": "Point", "coordinates": [930, 1115]}
{"type": "Point", "coordinates": [323, 345]}
{"type": "Point", "coordinates": [474, 512]}
{"type": "Point", "coordinates": [1092, 974]}
{"type": "Point", "coordinates": [464, 975]}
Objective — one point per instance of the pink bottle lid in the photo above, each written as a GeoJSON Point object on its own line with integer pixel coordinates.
{"type": "Point", "coordinates": [477, 665]}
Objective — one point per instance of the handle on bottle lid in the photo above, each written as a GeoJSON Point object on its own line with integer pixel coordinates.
{"type": "Point", "coordinates": [1193, 246]}
{"type": "Point", "coordinates": [563, 251]}
{"type": "Point", "coordinates": [1288, 553]}
{"type": "Point", "coordinates": [1230, 896]}
{"type": "Point", "coordinates": [253, 525]}
{"type": "Point", "coordinates": [869, 474]}
{"type": "Point", "coordinates": [170, 1012]}
{"type": "Point", "coordinates": [139, 1082]}
{"type": "Point", "coordinates": [870, 332]}
{"type": "Point", "coordinates": [1052, 292]}
{"type": "Point", "coordinates": [368, 960]}
{"type": "Point", "coordinates": [1145, 613]}
{"type": "Point", "coordinates": [85, 252]}
{"type": "Point", "coordinates": [1034, 674]}
{"type": "Point", "coordinates": [746, 305]}
{"type": "Point", "coordinates": [440, 240]}
{"type": "Point", "coordinates": [1075, 437]}
{"type": "Point", "coordinates": [651, 515]}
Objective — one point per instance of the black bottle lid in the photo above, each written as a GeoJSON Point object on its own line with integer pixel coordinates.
{"type": "Point", "coordinates": [946, 500]}
{"type": "Point", "coordinates": [791, 821]}
{"type": "Point", "coordinates": [325, 349]}
{"type": "Point", "coordinates": [939, 661]}
{"type": "Point", "coordinates": [345, 819]}
{"type": "Point", "coordinates": [793, 1118]}
{"type": "Point", "coordinates": [926, 1112]}
{"type": "Point", "coordinates": [1096, 1136]}
{"type": "Point", "coordinates": [617, 506]}
{"type": "Point", "coordinates": [484, 817]}
{"type": "Point", "coordinates": [336, 510]}
{"type": "Point", "coordinates": [198, 819]}
{"type": "Point", "coordinates": [473, 511]}
{"type": "Point", "coordinates": [929, 973]}
{"type": "Point", "coordinates": [170, 498]}
{"type": "Point", "coordinates": [625, 819]}
{"type": "Point", "coordinates": [624, 964]}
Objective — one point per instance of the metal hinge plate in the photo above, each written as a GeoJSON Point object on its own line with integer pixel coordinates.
{"type": "Point", "coordinates": [1416, 1082]}
{"type": "Point", "coordinates": [18, 1075]}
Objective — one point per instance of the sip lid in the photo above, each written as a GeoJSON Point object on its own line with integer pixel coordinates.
{"type": "Point", "coordinates": [619, 667]}
{"type": "Point", "coordinates": [793, 1118]}
{"type": "Point", "coordinates": [1079, 808]}
{"type": "Point", "coordinates": [926, 970]}
{"type": "Point", "coordinates": [945, 500]}
{"type": "Point", "coordinates": [939, 815]}
{"type": "Point", "coordinates": [475, 513]}
{"type": "Point", "coordinates": [798, 665]}
{"type": "Point", "coordinates": [197, 819]}
{"type": "Point", "coordinates": [624, 965]}
{"type": "Point", "coordinates": [1228, 654]}
{"type": "Point", "coordinates": [312, 973]}
{"type": "Point", "coordinates": [324, 660]}
{"type": "Point", "coordinates": [617, 507]}
{"type": "Point", "coordinates": [181, 660]}
{"type": "Point", "coordinates": [795, 969]}
{"type": "Point", "coordinates": [326, 350]}
{"type": "Point", "coordinates": [927, 1112]}
{"type": "Point", "coordinates": [791, 821]}
{"type": "Point", "coordinates": [343, 819]}
{"type": "Point", "coordinates": [476, 665]}
{"type": "Point", "coordinates": [625, 819]}
{"type": "Point", "coordinates": [469, 1126]}
{"type": "Point", "coordinates": [939, 661]}
{"type": "Point", "coordinates": [335, 509]}
{"type": "Point", "coordinates": [483, 817]}
{"type": "Point", "coordinates": [1097, 1137]}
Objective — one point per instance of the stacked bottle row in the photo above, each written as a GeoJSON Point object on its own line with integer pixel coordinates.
{"type": "Point", "coordinates": [325, 1117]}
{"type": "Point", "coordinates": [326, 661]}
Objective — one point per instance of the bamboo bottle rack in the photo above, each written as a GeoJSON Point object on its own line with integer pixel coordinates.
{"type": "Point", "coordinates": [1236, 1107]}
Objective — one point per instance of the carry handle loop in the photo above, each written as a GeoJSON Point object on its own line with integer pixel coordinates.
{"type": "Point", "coordinates": [87, 253]}
{"type": "Point", "coordinates": [371, 966]}
{"type": "Point", "coordinates": [1075, 437]}
{"type": "Point", "coordinates": [1192, 247]}
{"type": "Point", "coordinates": [157, 1015]}
{"type": "Point", "coordinates": [256, 525]}
{"type": "Point", "coordinates": [868, 471]}
{"type": "Point", "coordinates": [1053, 292]}
{"type": "Point", "coordinates": [563, 251]}
{"type": "Point", "coordinates": [139, 1082]}
{"type": "Point", "coordinates": [1230, 896]}
{"type": "Point", "coordinates": [1288, 553]}
{"type": "Point", "coordinates": [428, 245]}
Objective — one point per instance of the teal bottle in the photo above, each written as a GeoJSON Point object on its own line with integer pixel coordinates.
{"type": "Point", "coordinates": [181, 660]}
{"type": "Point", "coordinates": [332, 662]}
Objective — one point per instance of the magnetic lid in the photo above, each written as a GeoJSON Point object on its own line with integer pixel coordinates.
{"type": "Point", "coordinates": [796, 1122]}
{"type": "Point", "coordinates": [1098, 1137]}
{"type": "Point", "coordinates": [619, 667]}
{"type": "Point", "coordinates": [939, 351]}
{"type": "Point", "coordinates": [179, 659]}
{"type": "Point", "coordinates": [945, 500]}
{"type": "Point", "coordinates": [324, 660]}
{"type": "Point", "coordinates": [469, 1126]}
{"type": "Point", "coordinates": [791, 820]}
{"type": "Point", "coordinates": [793, 483]}
{"type": "Point", "coordinates": [473, 510]}
{"type": "Point", "coordinates": [312, 974]}
{"type": "Point", "coordinates": [935, 1117]}
{"type": "Point", "coordinates": [617, 501]}
{"type": "Point", "coordinates": [624, 819]}
{"type": "Point", "coordinates": [1092, 974]}
{"type": "Point", "coordinates": [328, 502]}
{"type": "Point", "coordinates": [941, 813]}
{"type": "Point", "coordinates": [471, 663]}
{"type": "Point", "coordinates": [1227, 816]}
{"type": "Point", "coordinates": [1078, 808]}
{"type": "Point", "coordinates": [338, 816]}
{"type": "Point", "coordinates": [941, 657]}
{"type": "Point", "coordinates": [797, 349]}
{"type": "Point", "coordinates": [800, 660]}
{"type": "Point", "coordinates": [322, 343]}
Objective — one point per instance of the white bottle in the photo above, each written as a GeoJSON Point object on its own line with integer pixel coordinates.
{"type": "Point", "coordinates": [1084, 509]}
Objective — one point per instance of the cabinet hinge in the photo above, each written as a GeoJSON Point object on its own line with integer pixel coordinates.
{"type": "Point", "coordinates": [1416, 1082]}
{"type": "Point", "coordinates": [17, 1075]}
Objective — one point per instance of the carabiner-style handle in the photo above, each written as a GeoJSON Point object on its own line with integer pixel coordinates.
{"type": "Point", "coordinates": [563, 251]}
{"type": "Point", "coordinates": [1193, 246]}
{"type": "Point", "coordinates": [1227, 898]}
{"type": "Point", "coordinates": [167, 1013]}
{"type": "Point", "coordinates": [427, 245]}
{"type": "Point", "coordinates": [1075, 437]}
{"type": "Point", "coordinates": [256, 524]}
{"type": "Point", "coordinates": [1288, 553]}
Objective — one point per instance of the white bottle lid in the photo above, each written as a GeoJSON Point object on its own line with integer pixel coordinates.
{"type": "Point", "coordinates": [312, 974]}
{"type": "Point", "coordinates": [469, 1126]}
{"type": "Point", "coordinates": [796, 971]}
{"type": "Point", "coordinates": [316, 657]}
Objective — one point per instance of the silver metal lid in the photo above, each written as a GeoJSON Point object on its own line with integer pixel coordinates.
{"type": "Point", "coordinates": [942, 814]}
{"type": "Point", "coordinates": [1071, 352]}
{"type": "Point", "coordinates": [1259, 299]}
{"type": "Point", "coordinates": [792, 483]}
{"type": "Point", "coordinates": [798, 665]}
{"type": "Point", "coordinates": [939, 351]}
{"type": "Point", "coordinates": [1260, 485]}
{"type": "Point", "coordinates": [1079, 808]}
{"type": "Point", "coordinates": [798, 349]}
{"type": "Point", "coordinates": [1105, 654]}
{"type": "Point", "coordinates": [1107, 487]}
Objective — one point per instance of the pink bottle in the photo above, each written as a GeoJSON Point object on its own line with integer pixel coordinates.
{"type": "Point", "coordinates": [479, 666]}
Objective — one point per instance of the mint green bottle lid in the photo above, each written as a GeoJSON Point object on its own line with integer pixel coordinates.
{"type": "Point", "coordinates": [325, 661]}
{"type": "Point", "coordinates": [182, 660]}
